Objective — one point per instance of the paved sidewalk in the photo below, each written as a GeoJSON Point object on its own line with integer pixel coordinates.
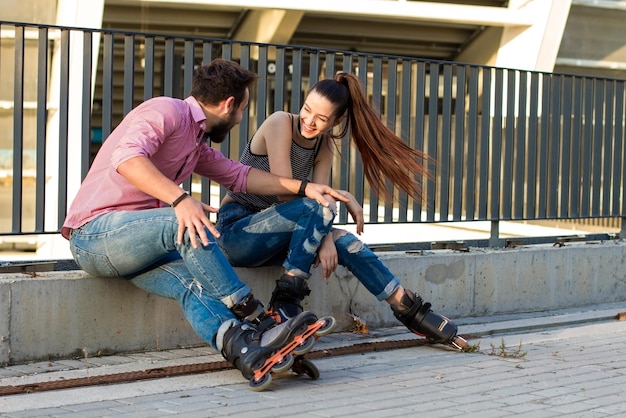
{"type": "Point", "coordinates": [550, 364]}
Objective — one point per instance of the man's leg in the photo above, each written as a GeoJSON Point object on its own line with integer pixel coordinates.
{"type": "Point", "coordinates": [123, 244]}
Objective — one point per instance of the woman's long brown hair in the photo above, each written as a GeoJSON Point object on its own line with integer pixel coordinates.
{"type": "Point", "coordinates": [385, 156]}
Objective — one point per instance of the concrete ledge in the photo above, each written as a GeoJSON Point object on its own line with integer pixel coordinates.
{"type": "Point", "coordinates": [71, 314]}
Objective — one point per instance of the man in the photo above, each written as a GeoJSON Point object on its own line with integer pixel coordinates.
{"type": "Point", "coordinates": [131, 218]}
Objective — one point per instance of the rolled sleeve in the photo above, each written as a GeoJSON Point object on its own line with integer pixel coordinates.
{"type": "Point", "coordinates": [229, 173]}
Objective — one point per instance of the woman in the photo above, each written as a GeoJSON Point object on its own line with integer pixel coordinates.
{"type": "Point", "coordinates": [268, 230]}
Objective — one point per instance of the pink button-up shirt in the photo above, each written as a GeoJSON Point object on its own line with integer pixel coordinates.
{"type": "Point", "coordinates": [166, 131]}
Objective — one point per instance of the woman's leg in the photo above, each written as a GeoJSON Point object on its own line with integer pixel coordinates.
{"type": "Point", "coordinates": [408, 307]}
{"type": "Point", "coordinates": [292, 229]}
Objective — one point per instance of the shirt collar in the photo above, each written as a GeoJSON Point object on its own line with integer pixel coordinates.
{"type": "Point", "coordinates": [197, 114]}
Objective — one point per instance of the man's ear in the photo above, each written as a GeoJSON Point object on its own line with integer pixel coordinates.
{"type": "Point", "coordinates": [229, 104]}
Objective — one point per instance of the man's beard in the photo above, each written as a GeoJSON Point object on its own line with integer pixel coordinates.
{"type": "Point", "coordinates": [219, 131]}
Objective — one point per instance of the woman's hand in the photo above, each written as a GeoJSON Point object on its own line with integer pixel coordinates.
{"type": "Point", "coordinates": [355, 209]}
{"type": "Point", "coordinates": [327, 256]}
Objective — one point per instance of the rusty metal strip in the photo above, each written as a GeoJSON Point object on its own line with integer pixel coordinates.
{"type": "Point", "coordinates": [170, 371]}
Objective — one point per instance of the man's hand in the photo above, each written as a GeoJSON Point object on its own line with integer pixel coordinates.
{"type": "Point", "coordinates": [317, 191]}
{"type": "Point", "coordinates": [192, 215]}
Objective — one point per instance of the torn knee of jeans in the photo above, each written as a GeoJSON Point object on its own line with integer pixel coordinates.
{"type": "Point", "coordinates": [354, 245]}
{"type": "Point", "coordinates": [328, 214]}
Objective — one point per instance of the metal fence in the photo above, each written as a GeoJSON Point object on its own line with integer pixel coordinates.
{"type": "Point", "coordinates": [508, 144]}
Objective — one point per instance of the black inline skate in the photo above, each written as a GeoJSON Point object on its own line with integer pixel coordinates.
{"type": "Point", "coordinates": [417, 316]}
{"type": "Point", "coordinates": [285, 303]}
{"type": "Point", "coordinates": [260, 353]}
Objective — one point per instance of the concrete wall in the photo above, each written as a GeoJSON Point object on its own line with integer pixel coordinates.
{"type": "Point", "coordinates": [70, 314]}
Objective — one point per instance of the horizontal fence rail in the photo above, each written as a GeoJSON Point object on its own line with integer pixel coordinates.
{"type": "Point", "coordinates": [507, 144]}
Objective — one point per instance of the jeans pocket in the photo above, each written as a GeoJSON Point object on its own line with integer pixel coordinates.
{"type": "Point", "coordinates": [94, 264]}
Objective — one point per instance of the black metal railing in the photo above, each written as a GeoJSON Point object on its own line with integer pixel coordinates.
{"type": "Point", "coordinates": [508, 144]}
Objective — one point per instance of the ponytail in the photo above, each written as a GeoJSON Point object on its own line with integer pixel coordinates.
{"type": "Point", "coordinates": [385, 156]}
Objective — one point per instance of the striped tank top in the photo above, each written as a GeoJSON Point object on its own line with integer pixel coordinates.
{"type": "Point", "coordinates": [302, 160]}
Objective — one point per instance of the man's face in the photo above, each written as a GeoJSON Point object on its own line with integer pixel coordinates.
{"type": "Point", "coordinates": [219, 131]}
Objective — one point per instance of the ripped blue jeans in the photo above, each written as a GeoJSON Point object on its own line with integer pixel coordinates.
{"type": "Point", "coordinates": [290, 234]}
{"type": "Point", "coordinates": [141, 246]}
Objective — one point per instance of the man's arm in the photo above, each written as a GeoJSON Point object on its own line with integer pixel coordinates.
{"type": "Point", "coordinates": [191, 213]}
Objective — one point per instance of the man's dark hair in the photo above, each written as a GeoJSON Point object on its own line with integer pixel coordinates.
{"type": "Point", "coordinates": [219, 80]}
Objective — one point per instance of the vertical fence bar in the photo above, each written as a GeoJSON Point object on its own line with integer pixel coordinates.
{"type": "Point", "coordinates": [63, 123]}
{"type": "Point", "coordinates": [296, 81]}
{"type": "Point", "coordinates": [459, 143]}
{"type": "Point", "coordinates": [392, 87]}
{"type": "Point", "coordinates": [205, 183]}
{"type": "Point", "coordinates": [543, 149]}
{"type": "Point", "coordinates": [359, 181]}
{"type": "Point", "coordinates": [554, 147]}
{"type": "Point", "coordinates": [18, 129]}
{"type": "Point", "coordinates": [533, 132]}
{"type": "Point", "coordinates": [244, 126]}
{"type": "Point", "coordinates": [496, 144]}
{"type": "Point", "coordinates": [189, 63]}
{"type": "Point", "coordinates": [262, 88]}
{"type": "Point", "coordinates": [618, 150]}
{"type": "Point", "coordinates": [576, 146]}
{"type": "Point", "coordinates": [42, 122]}
{"type": "Point", "coordinates": [484, 144]}
{"type": "Point", "coordinates": [418, 134]}
{"type": "Point", "coordinates": [148, 66]}
{"type": "Point", "coordinates": [566, 147]}
{"type": "Point", "coordinates": [86, 103]}
{"type": "Point", "coordinates": [508, 160]}
{"type": "Point", "coordinates": [445, 159]}
{"type": "Point", "coordinates": [472, 140]}
{"type": "Point", "coordinates": [377, 94]}
{"type": "Point", "coordinates": [346, 160]}
{"type": "Point", "coordinates": [520, 148]}
{"type": "Point", "coordinates": [107, 84]}
{"type": "Point", "coordinates": [405, 130]}
{"type": "Point", "coordinates": [279, 80]}
{"type": "Point", "coordinates": [168, 69]}
{"type": "Point", "coordinates": [596, 179]}
{"type": "Point", "coordinates": [129, 73]}
{"type": "Point", "coordinates": [608, 144]}
{"type": "Point", "coordinates": [433, 139]}
{"type": "Point", "coordinates": [587, 148]}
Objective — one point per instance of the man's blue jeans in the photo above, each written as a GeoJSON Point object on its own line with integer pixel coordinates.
{"type": "Point", "coordinates": [290, 233]}
{"type": "Point", "coordinates": [141, 246]}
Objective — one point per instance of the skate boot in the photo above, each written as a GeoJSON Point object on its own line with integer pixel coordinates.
{"type": "Point", "coordinates": [287, 297]}
{"type": "Point", "coordinates": [251, 310]}
{"type": "Point", "coordinates": [417, 316]}
{"type": "Point", "coordinates": [259, 354]}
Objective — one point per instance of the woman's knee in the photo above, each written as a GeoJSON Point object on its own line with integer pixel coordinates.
{"type": "Point", "coordinates": [326, 213]}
